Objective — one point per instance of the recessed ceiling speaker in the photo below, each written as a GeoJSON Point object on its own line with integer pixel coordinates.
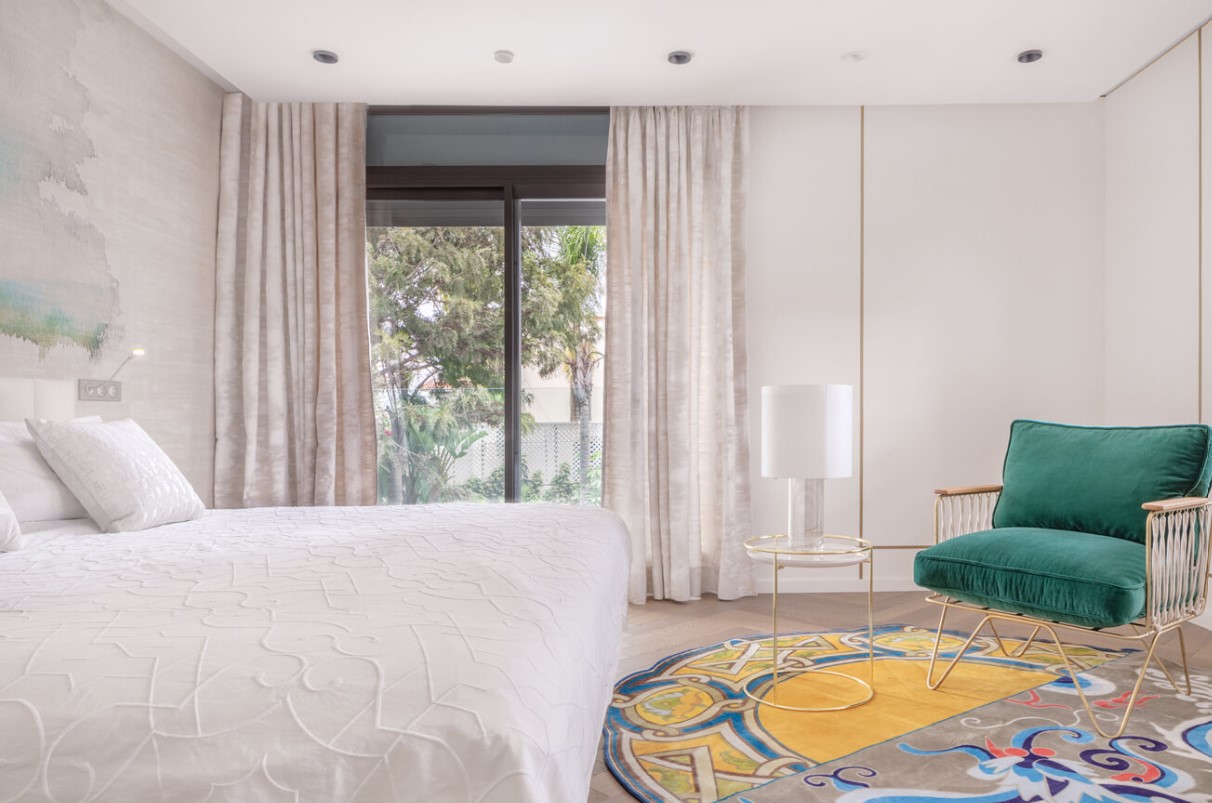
{"type": "Point", "coordinates": [324, 56]}
{"type": "Point", "coordinates": [679, 57]}
{"type": "Point", "coordinates": [1030, 56]}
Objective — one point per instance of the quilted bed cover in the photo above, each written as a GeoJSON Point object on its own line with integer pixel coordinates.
{"type": "Point", "coordinates": [431, 654]}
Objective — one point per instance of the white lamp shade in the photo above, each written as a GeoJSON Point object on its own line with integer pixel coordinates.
{"type": "Point", "coordinates": [807, 431]}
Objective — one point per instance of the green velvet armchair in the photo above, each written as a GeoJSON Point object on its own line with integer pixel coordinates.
{"type": "Point", "coordinates": [1093, 528]}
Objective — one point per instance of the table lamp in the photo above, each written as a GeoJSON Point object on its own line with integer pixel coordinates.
{"type": "Point", "coordinates": [807, 432]}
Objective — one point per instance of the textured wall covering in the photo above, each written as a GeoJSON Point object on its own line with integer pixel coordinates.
{"type": "Point", "coordinates": [109, 149]}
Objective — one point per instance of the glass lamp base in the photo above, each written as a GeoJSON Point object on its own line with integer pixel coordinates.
{"type": "Point", "coordinates": [806, 513]}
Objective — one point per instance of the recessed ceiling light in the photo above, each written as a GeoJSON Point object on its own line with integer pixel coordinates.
{"type": "Point", "coordinates": [1030, 56]}
{"type": "Point", "coordinates": [854, 55]}
{"type": "Point", "coordinates": [680, 57]}
{"type": "Point", "coordinates": [504, 56]}
{"type": "Point", "coordinates": [324, 56]}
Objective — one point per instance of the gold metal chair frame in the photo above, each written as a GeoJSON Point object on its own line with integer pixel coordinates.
{"type": "Point", "coordinates": [769, 544]}
{"type": "Point", "coordinates": [1176, 586]}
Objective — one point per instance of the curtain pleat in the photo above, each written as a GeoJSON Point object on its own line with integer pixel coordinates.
{"type": "Point", "coordinates": [294, 414]}
{"type": "Point", "coordinates": [676, 453]}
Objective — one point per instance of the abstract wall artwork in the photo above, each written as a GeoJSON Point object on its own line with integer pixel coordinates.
{"type": "Point", "coordinates": [56, 285]}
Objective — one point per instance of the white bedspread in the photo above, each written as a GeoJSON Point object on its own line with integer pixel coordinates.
{"type": "Point", "coordinates": [429, 654]}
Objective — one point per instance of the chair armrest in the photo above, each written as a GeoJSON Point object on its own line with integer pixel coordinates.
{"type": "Point", "coordinates": [1181, 503]}
{"type": "Point", "coordinates": [964, 509]}
{"type": "Point", "coordinates": [964, 490]}
{"type": "Point", "coordinates": [1178, 553]}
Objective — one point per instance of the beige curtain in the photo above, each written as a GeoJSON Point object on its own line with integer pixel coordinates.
{"type": "Point", "coordinates": [676, 455]}
{"type": "Point", "coordinates": [293, 407]}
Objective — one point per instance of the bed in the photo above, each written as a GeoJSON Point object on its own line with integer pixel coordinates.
{"type": "Point", "coordinates": [440, 653]}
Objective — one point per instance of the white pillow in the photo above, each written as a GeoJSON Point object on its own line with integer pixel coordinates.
{"type": "Point", "coordinates": [10, 531]}
{"type": "Point", "coordinates": [33, 490]}
{"type": "Point", "coordinates": [117, 471]}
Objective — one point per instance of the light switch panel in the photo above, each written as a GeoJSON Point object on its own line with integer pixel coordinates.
{"type": "Point", "coordinates": [98, 390]}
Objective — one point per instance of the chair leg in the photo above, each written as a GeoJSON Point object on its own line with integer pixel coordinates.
{"type": "Point", "coordinates": [1182, 648]}
{"type": "Point", "coordinates": [1021, 651]}
{"type": "Point", "coordinates": [1150, 655]}
{"type": "Point", "coordinates": [1161, 664]}
{"type": "Point", "coordinates": [1140, 679]}
{"type": "Point", "coordinates": [931, 683]}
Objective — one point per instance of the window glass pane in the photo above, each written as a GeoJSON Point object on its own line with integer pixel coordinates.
{"type": "Point", "coordinates": [486, 139]}
{"type": "Point", "coordinates": [563, 338]}
{"type": "Point", "coordinates": [437, 340]}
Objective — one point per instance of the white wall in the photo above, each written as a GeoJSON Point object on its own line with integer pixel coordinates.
{"type": "Point", "coordinates": [982, 294]}
{"type": "Point", "coordinates": [109, 148]}
{"type": "Point", "coordinates": [1154, 195]}
{"type": "Point", "coordinates": [1152, 243]}
{"type": "Point", "coordinates": [1019, 261]}
{"type": "Point", "coordinates": [983, 279]}
{"type": "Point", "coordinates": [1205, 187]}
{"type": "Point", "coordinates": [803, 285]}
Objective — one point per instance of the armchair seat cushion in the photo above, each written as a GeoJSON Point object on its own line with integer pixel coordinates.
{"type": "Point", "coordinates": [1059, 575]}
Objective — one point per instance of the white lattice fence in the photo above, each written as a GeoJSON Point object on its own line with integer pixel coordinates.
{"type": "Point", "coordinates": [545, 448]}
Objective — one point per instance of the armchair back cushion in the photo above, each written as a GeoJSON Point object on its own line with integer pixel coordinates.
{"type": "Point", "coordinates": [1095, 479]}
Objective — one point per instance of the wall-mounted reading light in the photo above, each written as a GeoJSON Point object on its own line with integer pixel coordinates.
{"type": "Point", "coordinates": [137, 351]}
{"type": "Point", "coordinates": [106, 390]}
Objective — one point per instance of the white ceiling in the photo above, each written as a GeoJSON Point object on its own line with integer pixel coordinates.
{"type": "Point", "coordinates": [574, 52]}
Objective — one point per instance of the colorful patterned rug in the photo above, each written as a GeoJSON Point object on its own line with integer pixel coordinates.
{"type": "Point", "coordinates": [685, 730]}
{"type": "Point", "coordinates": [1034, 746]}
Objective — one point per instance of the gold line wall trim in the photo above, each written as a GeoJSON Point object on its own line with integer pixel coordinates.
{"type": "Point", "coordinates": [1196, 30]}
{"type": "Point", "coordinates": [862, 309]}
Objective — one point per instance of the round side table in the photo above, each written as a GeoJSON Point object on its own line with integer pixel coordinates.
{"type": "Point", "coordinates": [837, 550]}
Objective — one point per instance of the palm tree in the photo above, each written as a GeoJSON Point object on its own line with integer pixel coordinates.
{"type": "Point", "coordinates": [585, 245]}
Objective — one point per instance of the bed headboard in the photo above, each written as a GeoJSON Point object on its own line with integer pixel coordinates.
{"type": "Point", "coordinates": [21, 397]}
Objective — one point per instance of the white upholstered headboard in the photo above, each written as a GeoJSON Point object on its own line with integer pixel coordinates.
{"type": "Point", "coordinates": [21, 397]}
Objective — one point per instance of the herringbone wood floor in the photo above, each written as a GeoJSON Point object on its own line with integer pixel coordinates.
{"type": "Point", "coordinates": [657, 629]}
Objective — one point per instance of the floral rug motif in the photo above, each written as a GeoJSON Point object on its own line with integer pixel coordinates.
{"type": "Point", "coordinates": [685, 730]}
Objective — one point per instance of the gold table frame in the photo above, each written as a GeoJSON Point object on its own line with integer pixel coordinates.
{"type": "Point", "coordinates": [779, 546]}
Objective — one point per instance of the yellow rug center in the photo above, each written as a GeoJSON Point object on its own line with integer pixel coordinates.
{"type": "Point", "coordinates": [901, 704]}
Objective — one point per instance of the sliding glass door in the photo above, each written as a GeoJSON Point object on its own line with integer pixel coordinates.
{"type": "Point", "coordinates": [462, 415]}
{"type": "Point", "coordinates": [436, 274]}
{"type": "Point", "coordinates": [486, 240]}
{"type": "Point", "coordinates": [563, 342]}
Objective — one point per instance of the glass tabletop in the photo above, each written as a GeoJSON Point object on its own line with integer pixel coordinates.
{"type": "Point", "coordinates": [836, 550]}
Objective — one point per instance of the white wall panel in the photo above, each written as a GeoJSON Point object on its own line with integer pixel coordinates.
{"type": "Point", "coordinates": [803, 286]}
{"type": "Point", "coordinates": [983, 297]}
{"type": "Point", "coordinates": [1021, 261]}
{"type": "Point", "coordinates": [1205, 43]}
{"type": "Point", "coordinates": [1152, 240]}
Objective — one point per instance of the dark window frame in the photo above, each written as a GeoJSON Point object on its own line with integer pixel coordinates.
{"type": "Point", "coordinates": [510, 184]}
{"type": "Point", "coordinates": [449, 110]}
